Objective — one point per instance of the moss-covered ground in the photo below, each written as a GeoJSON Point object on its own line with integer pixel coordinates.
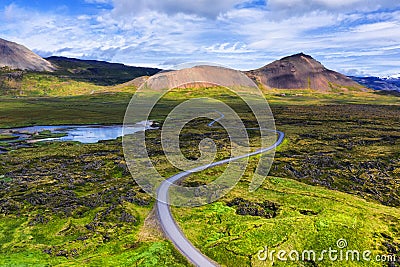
{"type": "Point", "coordinates": [335, 177]}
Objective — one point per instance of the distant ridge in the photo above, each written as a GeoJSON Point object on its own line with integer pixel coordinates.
{"type": "Point", "coordinates": [380, 84]}
{"type": "Point", "coordinates": [16, 56]}
{"type": "Point", "coordinates": [301, 71]}
{"type": "Point", "coordinates": [98, 72]}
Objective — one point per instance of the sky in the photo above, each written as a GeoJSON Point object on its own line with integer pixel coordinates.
{"type": "Point", "coordinates": [355, 37]}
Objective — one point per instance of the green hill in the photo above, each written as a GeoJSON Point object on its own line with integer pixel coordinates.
{"type": "Point", "coordinates": [72, 77]}
{"type": "Point", "coordinates": [98, 72]}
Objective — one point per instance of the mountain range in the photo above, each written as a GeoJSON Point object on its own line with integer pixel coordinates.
{"type": "Point", "coordinates": [299, 71]}
{"type": "Point", "coordinates": [381, 84]}
{"type": "Point", "coordinates": [14, 56]}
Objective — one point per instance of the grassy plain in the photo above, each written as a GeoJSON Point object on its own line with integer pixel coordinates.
{"type": "Point", "coordinates": [336, 176]}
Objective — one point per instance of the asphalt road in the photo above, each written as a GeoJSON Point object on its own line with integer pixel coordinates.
{"type": "Point", "coordinates": [168, 224]}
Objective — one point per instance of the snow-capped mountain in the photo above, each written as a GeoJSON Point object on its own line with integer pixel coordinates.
{"type": "Point", "coordinates": [391, 83]}
{"type": "Point", "coordinates": [395, 76]}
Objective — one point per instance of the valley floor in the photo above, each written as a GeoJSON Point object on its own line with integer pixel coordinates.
{"type": "Point", "coordinates": [335, 177]}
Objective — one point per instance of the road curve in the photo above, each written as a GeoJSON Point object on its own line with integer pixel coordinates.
{"type": "Point", "coordinates": [167, 222]}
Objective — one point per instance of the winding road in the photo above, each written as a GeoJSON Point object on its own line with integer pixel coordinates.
{"type": "Point", "coordinates": [168, 224]}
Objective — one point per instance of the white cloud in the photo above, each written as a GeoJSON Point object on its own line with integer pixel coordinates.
{"type": "Point", "coordinates": [302, 6]}
{"type": "Point", "coordinates": [264, 33]}
{"type": "Point", "coordinates": [152, 33]}
{"type": "Point", "coordinates": [228, 48]}
{"type": "Point", "coordinates": [204, 8]}
{"type": "Point", "coordinates": [376, 27]}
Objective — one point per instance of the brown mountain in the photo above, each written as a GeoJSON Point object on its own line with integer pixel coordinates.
{"type": "Point", "coordinates": [301, 71]}
{"type": "Point", "coordinates": [199, 76]}
{"type": "Point", "coordinates": [16, 56]}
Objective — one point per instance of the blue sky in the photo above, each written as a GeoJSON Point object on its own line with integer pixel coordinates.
{"type": "Point", "coordinates": [356, 37]}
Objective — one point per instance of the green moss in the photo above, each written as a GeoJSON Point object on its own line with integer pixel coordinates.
{"type": "Point", "coordinates": [7, 137]}
{"type": "Point", "coordinates": [234, 240]}
{"type": "Point", "coordinates": [72, 204]}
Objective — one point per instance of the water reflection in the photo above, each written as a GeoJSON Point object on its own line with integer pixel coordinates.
{"type": "Point", "coordinates": [86, 134]}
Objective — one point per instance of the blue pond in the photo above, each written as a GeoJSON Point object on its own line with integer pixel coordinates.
{"type": "Point", "coordinates": [86, 134]}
